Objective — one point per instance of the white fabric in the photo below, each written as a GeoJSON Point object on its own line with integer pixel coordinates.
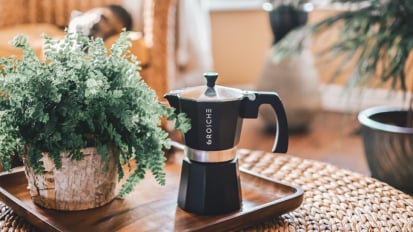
{"type": "Point", "coordinates": [82, 23]}
{"type": "Point", "coordinates": [193, 52]}
{"type": "Point", "coordinates": [135, 8]}
{"type": "Point", "coordinates": [189, 40]}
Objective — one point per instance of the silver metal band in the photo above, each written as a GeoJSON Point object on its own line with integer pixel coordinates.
{"type": "Point", "coordinates": [210, 156]}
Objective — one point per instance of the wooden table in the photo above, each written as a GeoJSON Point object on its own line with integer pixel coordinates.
{"type": "Point", "coordinates": [335, 199]}
{"type": "Point", "coordinates": [332, 137]}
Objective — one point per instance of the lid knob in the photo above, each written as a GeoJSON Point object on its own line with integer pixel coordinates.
{"type": "Point", "coordinates": [211, 77]}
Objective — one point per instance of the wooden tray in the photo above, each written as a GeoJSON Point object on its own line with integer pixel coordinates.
{"type": "Point", "coordinates": [153, 208]}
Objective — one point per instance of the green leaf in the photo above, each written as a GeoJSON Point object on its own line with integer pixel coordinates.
{"type": "Point", "coordinates": [83, 95]}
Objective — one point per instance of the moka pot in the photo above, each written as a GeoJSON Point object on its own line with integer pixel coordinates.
{"type": "Point", "coordinates": [209, 181]}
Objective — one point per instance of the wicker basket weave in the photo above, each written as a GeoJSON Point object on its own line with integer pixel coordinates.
{"type": "Point", "coordinates": [335, 199]}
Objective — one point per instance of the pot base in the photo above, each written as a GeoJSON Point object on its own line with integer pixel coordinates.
{"type": "Point", "coordinates": [209, 188]}
{"type": "Point", "coordinates": [78, 185]}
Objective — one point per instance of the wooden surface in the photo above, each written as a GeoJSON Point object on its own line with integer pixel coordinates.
{"type": "Point", "coordinates": [335, 199]}
{"type": "Point", "coordinates": [153, 207]}
{"type": "Point", "coordinates": [332, 137]}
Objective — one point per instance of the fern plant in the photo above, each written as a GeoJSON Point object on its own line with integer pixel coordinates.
{"type": "Point", "coordinates": [82, 95]}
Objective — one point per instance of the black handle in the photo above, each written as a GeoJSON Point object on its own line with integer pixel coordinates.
{"type": "Point", "coordinates": [249, 109]}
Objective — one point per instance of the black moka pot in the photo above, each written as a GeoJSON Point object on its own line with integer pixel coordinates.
{"type": "Point", "coordinates": [210, 182]}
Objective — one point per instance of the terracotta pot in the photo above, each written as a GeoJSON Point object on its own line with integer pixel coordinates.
{"type": "Point", "coordinates": [78, 185]}
{"type": "Point", "coordinates": [388, 145]}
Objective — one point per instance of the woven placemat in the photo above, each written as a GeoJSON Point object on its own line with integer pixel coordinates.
{"type": "Point", "coordinates": [11, 222]}
{"type": "Point", "coordinates": [334, 200]}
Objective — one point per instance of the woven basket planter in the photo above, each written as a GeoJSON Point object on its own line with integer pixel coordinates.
{"type": "Point", "coordinates": [78, 185]}
{"type": "Point", "coordinates": [388, 146]}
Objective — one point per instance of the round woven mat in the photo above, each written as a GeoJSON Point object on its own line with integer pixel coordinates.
{"type": "Point", "coordinates": [334, 200]}
{"type": "Point", "coordinates": [10, 222]}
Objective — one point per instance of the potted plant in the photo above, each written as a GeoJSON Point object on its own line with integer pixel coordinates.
{"type": "Point", "coordinates": [76, 116]}
{"type": "Point", "coordinates": [297, 73]}
{"type": "Point", "coordinates": [378, 36]}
